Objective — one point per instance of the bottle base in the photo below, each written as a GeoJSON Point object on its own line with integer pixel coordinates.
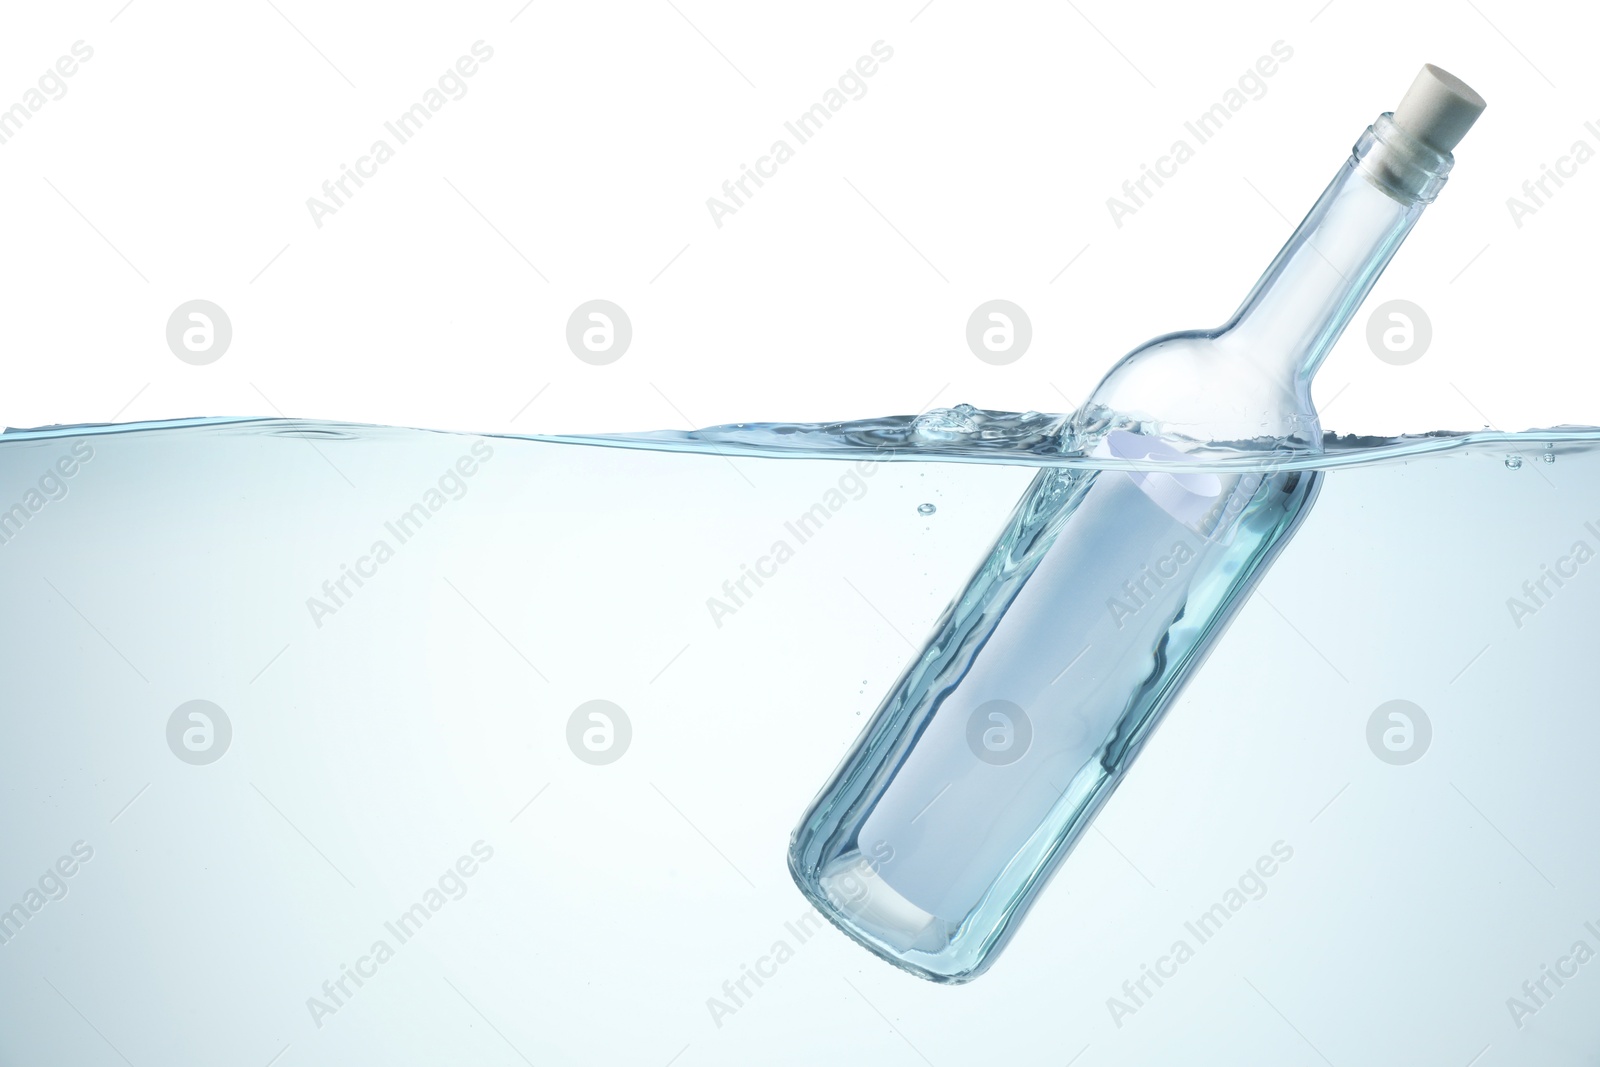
{"type": "Point", "coordinates": [865, 908]}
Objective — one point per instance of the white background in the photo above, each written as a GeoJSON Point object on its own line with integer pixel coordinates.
{"type": "Point", "coordinates": [978, 165]}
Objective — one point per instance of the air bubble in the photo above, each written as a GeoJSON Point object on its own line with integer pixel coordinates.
{"type": "Point", "coordinates": [1513, 463]}
{"type": "Point", "coordinates": [926, 509]}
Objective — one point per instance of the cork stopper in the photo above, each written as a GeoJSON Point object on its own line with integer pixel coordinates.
{"type": "Point", "coordinates": [1438, 109]}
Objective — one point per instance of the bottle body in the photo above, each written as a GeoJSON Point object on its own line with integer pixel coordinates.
{"type": "Point", "coordinates": [1105, 591]}
{"type": "Point", "coordinates": [1001, 742]}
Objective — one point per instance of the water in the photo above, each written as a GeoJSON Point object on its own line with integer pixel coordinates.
{"type": "Point", "coordinates": [380, 731]}
{"type": "Point", "coordinates": [965, 434]}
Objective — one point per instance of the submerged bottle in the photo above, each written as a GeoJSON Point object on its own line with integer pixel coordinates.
{"type": "Point", "coordinates": [1042, 680]}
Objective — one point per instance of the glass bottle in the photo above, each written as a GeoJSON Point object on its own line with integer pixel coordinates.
{"type": "Point", "coordinates": [1107, 588]}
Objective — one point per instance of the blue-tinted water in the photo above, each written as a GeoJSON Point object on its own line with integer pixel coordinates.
{"type": "Point", "coordinates": [380, 729]}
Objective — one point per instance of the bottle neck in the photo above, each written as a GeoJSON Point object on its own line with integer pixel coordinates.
{"type": "Point", "coordinates": [1301, 305]}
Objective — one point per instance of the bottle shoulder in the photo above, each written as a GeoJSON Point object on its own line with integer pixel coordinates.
{"type": "Point", "coordinates": [1204, 387]}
